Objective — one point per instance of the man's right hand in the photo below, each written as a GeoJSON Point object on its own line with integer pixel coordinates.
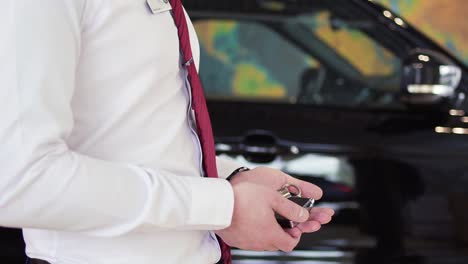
{"type": "Point", "coordinates": [254, 226]}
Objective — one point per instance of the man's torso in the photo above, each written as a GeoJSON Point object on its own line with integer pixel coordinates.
{"type": "Point", "coordinates": [130, 104]}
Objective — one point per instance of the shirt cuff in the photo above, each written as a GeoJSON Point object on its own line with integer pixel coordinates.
{"type": "Point", "coordinates": [212, 204]}
{"type": "Point", "coordinates": [185, 203]}
{"type": "Point", "coordinates": [226, 166]}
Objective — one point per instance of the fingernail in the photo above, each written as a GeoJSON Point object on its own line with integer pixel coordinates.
{"type": "Point", "coordinates": [302, 213]}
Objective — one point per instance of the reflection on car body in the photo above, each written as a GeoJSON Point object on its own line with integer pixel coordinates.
{"type": "Point", "coordinates": [344, 93]}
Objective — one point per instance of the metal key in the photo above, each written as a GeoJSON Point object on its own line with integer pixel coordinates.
{"type": "Point", "coordinates": [296, 197]}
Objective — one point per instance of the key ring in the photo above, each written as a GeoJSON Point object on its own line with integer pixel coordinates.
{"type": "Point", "coordinates": [284, 191]}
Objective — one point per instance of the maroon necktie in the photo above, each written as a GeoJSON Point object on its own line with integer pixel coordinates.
{"type": "Point", "coordinates": [202, 117]}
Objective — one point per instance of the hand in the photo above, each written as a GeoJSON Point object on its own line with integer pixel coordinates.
{"type": "Point", "coordinates": [317, 217]}
{"type": "Point", "coordinates": [276, 179]}
{"type": "Point", "coordinates": [253, 225]}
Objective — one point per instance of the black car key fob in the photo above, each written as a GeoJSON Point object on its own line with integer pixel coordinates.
{"type": "Point", "coordinates": [306, 203]}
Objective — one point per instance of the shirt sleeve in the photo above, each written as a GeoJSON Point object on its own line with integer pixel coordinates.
{"type": "Point", "coordinates": [226, 166]}
{"type": "Point", "coordinates": [46, 185]}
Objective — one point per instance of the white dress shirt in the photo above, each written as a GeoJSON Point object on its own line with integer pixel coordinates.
{"type": "Point", "coordinates": [99, 163]}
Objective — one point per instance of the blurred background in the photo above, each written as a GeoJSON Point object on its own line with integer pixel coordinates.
{"type": "Point", "coordinates": [366, 99]}
{"type": "Point", "coordinates": [440, 20]}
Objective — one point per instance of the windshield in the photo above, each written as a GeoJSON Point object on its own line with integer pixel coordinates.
{"type": "Point", "coordinates": [316, 58]}
{"type": "Point", "coordinates": [345, 41]}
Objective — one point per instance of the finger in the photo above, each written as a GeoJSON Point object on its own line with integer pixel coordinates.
{"type": "Point", "coordinates": [309, 226]}
{"type": "Point", "coordinates": [289, 209]}
{"type": "Point", "coordinates": [322, 215]}
{"type": "Point", "coordinates": [317, 210]}
{"type": "Point", "coordinates": [276, 179]}
{"type": "Point", "coordinates": [308, 189]}
{"type": "Point", "coordinates": [322, 218]}
{"type": "Point", "coordinates": [280, 179]}
{"type": "Point", "coordinates": [271, 248]}
{"type": "Point", "coordinates": [294, 232]}
{"type": "Point", "coordinates": [284, 241]}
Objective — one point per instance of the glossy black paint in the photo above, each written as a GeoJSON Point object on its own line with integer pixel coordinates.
{"type": "Point", "coordinates": [321, 128]}
{"type": "Point", "coordinates": [397, 155]}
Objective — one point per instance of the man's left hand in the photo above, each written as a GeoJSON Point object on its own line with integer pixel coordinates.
{"type": "Point", "coordinates": [275, 179]}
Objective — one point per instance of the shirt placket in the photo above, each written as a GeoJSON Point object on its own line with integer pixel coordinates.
{"type": "Point", "coordinates": [192, 123]}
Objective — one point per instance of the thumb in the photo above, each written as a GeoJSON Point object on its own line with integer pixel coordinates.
{"type": "Point", "coordinates": [289, 209]}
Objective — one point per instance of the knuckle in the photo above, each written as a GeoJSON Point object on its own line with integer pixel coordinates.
{"type": "Point", "coordinates": [306, 215]}
{"type": "Point", "coordinates": [289, 247]}
{"type": "Point", "coordinates": [278, 200]}
{"type": "Point", "coordinates": [315, 190]}
{"type": "Point", "coordinates": [258, 247]}
{"type": "Point", "coordinates": [271, 249]}
{"type": "Point", "coordinates": [294, 211]}
{"type": "Point", "coordinates": [287, 250]}
{"type": "Point", "coordinates": [297, 212]}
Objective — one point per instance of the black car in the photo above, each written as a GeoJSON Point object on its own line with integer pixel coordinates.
{"type": "Point", "coordinates": [345, 94]}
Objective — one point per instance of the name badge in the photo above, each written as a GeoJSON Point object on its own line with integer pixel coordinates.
{"type": "Point", "coordinates": [158, 6]}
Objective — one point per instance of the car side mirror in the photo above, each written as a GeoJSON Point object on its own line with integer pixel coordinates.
{"type": "Point", "coordinates": [429, 79]}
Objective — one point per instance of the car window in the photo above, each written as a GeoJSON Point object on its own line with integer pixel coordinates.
{"type": "Point", "coordinates": [310, 59]}
{"type": "Point", "coordinates": [345, 37]}
{"type": "Point", "coordinates": [237, 61]}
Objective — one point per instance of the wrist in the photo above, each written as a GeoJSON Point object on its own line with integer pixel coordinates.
{"type": "Point", "coordinates": [236, 172]}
